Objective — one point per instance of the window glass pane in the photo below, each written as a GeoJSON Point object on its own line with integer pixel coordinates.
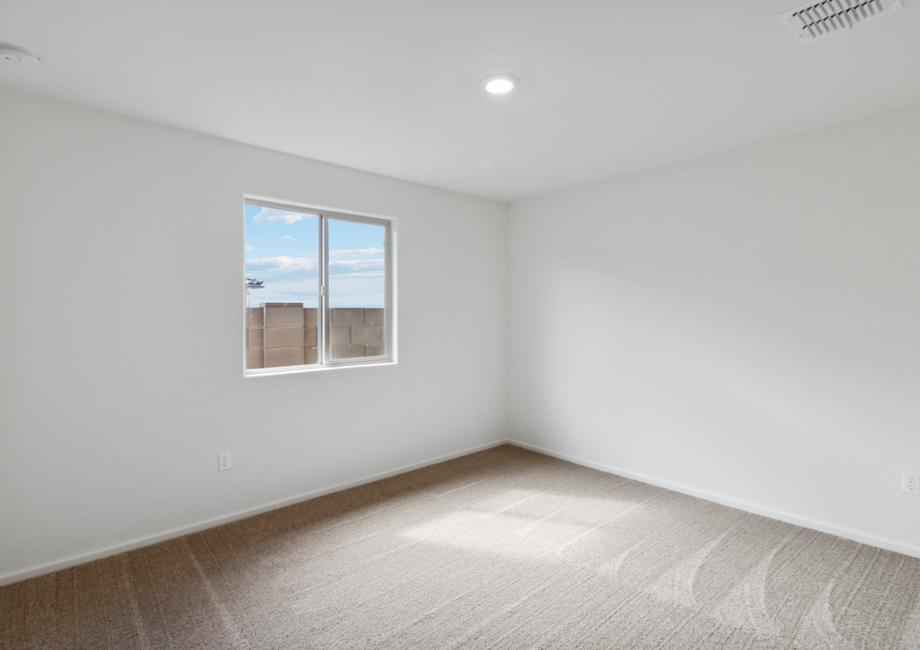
{"type": "Point", "coordinates": [282, 287]}
{"type": "Point", "coordinates": [357, 289]}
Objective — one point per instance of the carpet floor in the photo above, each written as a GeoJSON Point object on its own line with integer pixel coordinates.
{"type": "Point", "coordinates": [500, 549]}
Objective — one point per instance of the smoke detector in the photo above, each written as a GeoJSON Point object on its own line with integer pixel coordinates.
{"type": "Point", "coordinates": [819, 19]}
{"type": "Point", "coordinates": [16, 55]}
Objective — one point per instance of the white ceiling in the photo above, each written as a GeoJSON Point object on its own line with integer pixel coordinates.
{"type": "Point", "coordinates": [392, 86]}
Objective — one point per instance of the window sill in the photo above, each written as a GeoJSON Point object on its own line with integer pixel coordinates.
{"type": "Point", "coordinates": [296, 370]}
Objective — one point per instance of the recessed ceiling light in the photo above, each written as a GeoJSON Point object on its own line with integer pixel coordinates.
{"type": "Point", "coordinates": [499, 84]}
{"type": "Point", "coordinates": [13, 54]}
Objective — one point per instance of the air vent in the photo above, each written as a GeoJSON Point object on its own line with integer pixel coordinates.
{"type": "Point", "coordinates": [819, 19]}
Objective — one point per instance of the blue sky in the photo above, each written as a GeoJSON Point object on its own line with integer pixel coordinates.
{"type": "Point", "coordinates": [282, 250]}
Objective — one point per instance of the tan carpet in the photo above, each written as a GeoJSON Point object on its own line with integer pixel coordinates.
{"type": "Point", "coordinates": [501, 549]}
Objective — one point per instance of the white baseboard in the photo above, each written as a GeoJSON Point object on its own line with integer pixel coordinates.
{"type": "Point", "coordinates": [805, 522]}
{"type": "Point", "coordinates": [24, 573]}
{"type": "Point", "coordinates": [81, 558]}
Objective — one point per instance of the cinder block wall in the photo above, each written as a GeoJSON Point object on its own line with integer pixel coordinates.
{"type": "Point", "coordinates": [284, 334]}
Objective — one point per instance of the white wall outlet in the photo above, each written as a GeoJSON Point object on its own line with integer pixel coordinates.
{"type": "Point", "coordinates": [224, 461]}
{"type": "Point", "coordinates": [910, 483]}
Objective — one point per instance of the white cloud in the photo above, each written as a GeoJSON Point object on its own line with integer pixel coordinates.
{"type": "Point", "coordinates": [361, 274]}
{"type": "Point", "coordinates": [287, 237]}
{"type": "Point", "coordinates": [354, 266]}
{"type": "Point", "coordinates": [286, 264]}
{"type": "Point", "coordinates": [346, 252]}
{"type": "Point", "coordinates": [249, 249]}
{"type": "Point", "coordinates": [273, 215]}
{"type": "Point", "coordinates": [280, 264]}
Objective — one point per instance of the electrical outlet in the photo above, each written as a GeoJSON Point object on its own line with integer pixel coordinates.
{"type": "Point", "coordinates": [224, 461]}
{"type": "Point", "coordinates": [910, 483]}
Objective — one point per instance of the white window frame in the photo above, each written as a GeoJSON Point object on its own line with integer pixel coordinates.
{"type": "Point", "coordinates": [324, 359]}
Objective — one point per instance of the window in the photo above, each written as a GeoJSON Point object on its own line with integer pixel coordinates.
{"type": "Point", "coordinates": [318, 288]}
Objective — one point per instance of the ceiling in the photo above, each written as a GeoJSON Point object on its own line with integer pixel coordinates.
{"type": "Point", "coordinates": [392, 86]}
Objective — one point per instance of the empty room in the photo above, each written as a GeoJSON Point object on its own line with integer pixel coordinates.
{"type": "Point", "coordinates": [442, 324]}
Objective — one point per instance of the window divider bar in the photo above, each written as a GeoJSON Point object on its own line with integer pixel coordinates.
{"type": "Point", "coordinates": [323, 318]}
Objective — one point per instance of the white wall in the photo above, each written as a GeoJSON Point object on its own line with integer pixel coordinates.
{"type": "Point", "coordinates": [746, 326]}
{"type": "Point", "coordinates": [121, 377]}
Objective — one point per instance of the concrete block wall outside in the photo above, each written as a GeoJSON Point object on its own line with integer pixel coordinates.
{"type": "Point", "coordinates": [278, 357]}
{"type": "Point", "coordinates": [366, 334]}
{"type": "Point", "coordinates": [255, 359]}
{"type": "Point", "coordinates": [347, 316]}
{"type": "Point", "coordinates": [284, 337]}
{"type": "Point", "coordinates": [340, 334]}
{"type": "Point", "coordinates": [349, 351]}
{"type": "Point", "coordinates": [254, 317]}
{"type": "Point", "coordinates": [284, 314]}
{"type": "Point", "coordinates": [282, 334]}
{"type": "Point", "coordinates": [254, 338]}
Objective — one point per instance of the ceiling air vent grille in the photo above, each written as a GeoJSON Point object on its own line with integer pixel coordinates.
{"type": "Point", "coordinates": [818, 19]}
